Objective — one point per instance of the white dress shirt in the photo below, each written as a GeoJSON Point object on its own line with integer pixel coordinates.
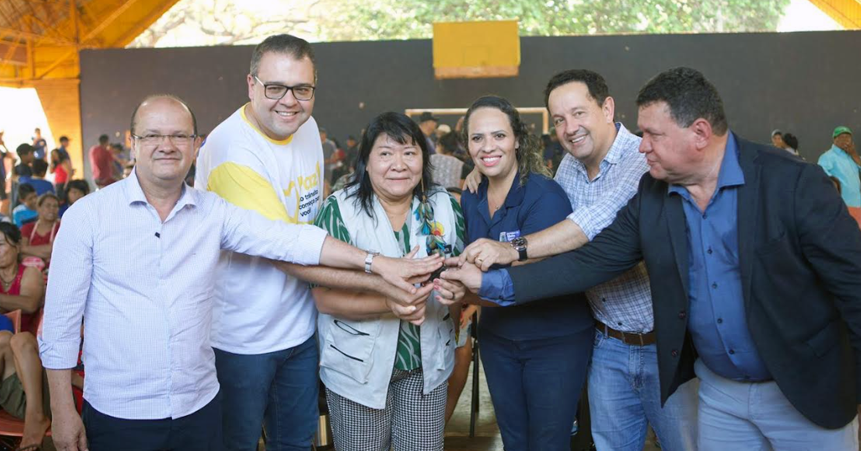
{"type": "Point", "coordinates": [145, 288]}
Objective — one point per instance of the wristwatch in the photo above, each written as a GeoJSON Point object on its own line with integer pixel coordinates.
{"type": "Point", "coordinates": [370, 259]}
{"type": "Point", "coordinates": [519, 244]}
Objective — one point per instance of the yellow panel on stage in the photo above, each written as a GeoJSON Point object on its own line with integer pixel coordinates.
{"type": "Point", "coordinates": [476, 49]}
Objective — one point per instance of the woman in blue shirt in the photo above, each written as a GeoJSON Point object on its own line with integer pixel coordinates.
{"type": "Point", "coordinates": [535, 356]}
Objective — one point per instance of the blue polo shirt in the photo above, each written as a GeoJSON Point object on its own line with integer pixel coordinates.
{"type": "Point", "coordinates": [717, 321]}
{"type": "Point", "coordinates": [837, 163]}
{"type": "Point", "coordinates": [527, 209]}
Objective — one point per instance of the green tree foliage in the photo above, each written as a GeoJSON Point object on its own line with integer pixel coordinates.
{"type": "Point", "coordinates": [412, 19]}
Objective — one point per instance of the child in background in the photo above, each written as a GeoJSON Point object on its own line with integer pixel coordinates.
{"type": "Point", "coordinates": [75, 189]}
{"type": "Point", "coordinates": [42, 186]}
{"type": "Point", "coordinates": [26, 212]}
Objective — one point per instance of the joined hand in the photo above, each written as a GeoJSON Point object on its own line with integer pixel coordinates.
{"type": "Point", "coordinates": [405, 272]}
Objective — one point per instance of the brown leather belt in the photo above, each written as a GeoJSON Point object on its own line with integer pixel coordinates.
{"type": "Point", "coordinates": [626, 337]}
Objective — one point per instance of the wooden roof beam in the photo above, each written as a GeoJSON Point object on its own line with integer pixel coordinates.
{"type": "Point", "coordinates": [13, 53]}
{"type": "Point", "coordinates": [119, 11]}
{"type": "Point", "coordinates": [11, 32]}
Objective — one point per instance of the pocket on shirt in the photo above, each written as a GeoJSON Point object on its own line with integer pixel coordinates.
{"type": "Point", "coordinates": [349, 346]}
{"type": "Point", "coordinates": [446, 328]}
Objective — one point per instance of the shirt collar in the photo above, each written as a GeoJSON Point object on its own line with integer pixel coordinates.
{"type": "Point", "coordinates": [512, 199]}
{"type": "Point", "coordinates": [839, 151]}
{"type": "Point", "coordinates": [135, 194]}
{"type": "Point", "coordinates": [617, 149]}
{"type": "Point", "coordinates": [730, 170]}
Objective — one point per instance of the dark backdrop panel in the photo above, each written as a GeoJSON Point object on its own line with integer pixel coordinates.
{"type": "Point", "coordinates": [805, 83]}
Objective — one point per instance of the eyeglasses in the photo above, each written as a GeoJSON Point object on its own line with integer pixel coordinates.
{"type": "Point", "coordinates": [177, 139]}
{"type": "Point", "coordinates": [275, 91]}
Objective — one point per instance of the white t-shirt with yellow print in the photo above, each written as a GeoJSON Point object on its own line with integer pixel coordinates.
{"type": "Point", "coordinates": [258, 308]}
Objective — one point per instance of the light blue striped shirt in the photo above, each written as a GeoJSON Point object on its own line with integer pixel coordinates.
{"type": "Point", "coordinates": [624, 303]}
{"type": "Point", "coordinates": [145, 288]}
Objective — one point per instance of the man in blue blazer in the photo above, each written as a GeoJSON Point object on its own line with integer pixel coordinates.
{"type": "Point", "coordinates": [755, 270]}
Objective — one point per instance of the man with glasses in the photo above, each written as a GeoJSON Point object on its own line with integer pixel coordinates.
{"type": "Point", "coordinates": [268, 157]}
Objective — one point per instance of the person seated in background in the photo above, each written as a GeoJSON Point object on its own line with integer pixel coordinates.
{"type": "Point", "coordinates": [37, 238]}
{"type": "Point", "coordinates": [23, 391]}
{"type": "Point", "coordinates": [37, 180]}
{"type": "Point", "coordinates": [447, 170]}
{"type": "Point", "coordinates": [121, 158]}
{"type": "Point", "coordinates": [75, 190]}
{"type": "Point", "coordinates": [22, 169]}
{"type": "Point", "coordinates": [26, 212]}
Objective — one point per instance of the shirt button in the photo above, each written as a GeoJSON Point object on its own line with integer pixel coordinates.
{"type": "Point", "coordinates": [603, 300]}
{"type": "Point", "coordinates": [709, 251]}
{"type": "Point", "coordinates": [705, 215]}
{"type": "Point", "coordinates": [714, 285]}
{"type": "Point", "coordinates": [720, 320]}
{"type": "Point", "coordinates": [674, 353]}
{"type": "Point", "coordinates": [682, 314]}
{"type": "Point", "coordinates": [619, 324]}
{"type": "Point", "coordinates": [732, 351]}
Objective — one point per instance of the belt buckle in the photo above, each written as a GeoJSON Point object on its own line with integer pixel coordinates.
{"type": "Point", "coordinates": [633, 342]}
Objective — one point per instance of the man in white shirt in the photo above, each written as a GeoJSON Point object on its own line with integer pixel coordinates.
{"type": "Point", "coordinates": [138, 259]}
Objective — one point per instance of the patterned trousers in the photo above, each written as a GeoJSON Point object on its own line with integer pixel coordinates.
{"type": "Point", "coordinates": [410, 421]}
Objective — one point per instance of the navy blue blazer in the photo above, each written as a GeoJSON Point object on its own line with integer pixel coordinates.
{"type": "Point", "coordinates": [800, 258]}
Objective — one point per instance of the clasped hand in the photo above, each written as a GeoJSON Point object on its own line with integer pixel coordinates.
{"type": "Point", "coordinates": [485, 253]}
{"type": "Point", "coordinates": [407, 296]}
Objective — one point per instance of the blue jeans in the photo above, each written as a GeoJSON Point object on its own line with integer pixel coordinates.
{"type": "Point", "coordinates": [276, 391]}
{"type": "Point", "coordinates": [757, 416]}
{"type": "Point", "coordinates": [199, 431]}
{"type": "Point", "coordinates": [625, 397]}
{"type": "Point", "coordinates": [535, 386]}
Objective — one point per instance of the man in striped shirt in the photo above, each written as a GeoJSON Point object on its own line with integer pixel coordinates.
{"type": "Point", "coordinates": [600, 174]}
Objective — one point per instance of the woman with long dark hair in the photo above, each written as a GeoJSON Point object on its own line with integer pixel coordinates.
{"type": "Point", "coordinates": [385, 376]}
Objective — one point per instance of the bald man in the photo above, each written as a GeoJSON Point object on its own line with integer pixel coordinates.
{"type": "Point", "coordinates": [138, 260]}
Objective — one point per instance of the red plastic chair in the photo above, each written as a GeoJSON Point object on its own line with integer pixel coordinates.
{"type": "Point", "coordinates": [9, 425]}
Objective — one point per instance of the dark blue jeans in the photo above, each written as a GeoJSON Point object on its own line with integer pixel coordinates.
{"type": "Point", "coordinates": [276, 391]}
{"type": "Point", "coordinates": [200, 431]}
{"type": "Point", "coordinates": [535, 386]}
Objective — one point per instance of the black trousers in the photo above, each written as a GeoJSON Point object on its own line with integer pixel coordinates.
{"type": "Point", "coordinates": [200, 431]}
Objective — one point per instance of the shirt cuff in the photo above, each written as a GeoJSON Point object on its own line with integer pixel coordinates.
{"type": "Point", "coordinates": [59, 356]}
{"type": "Point", "coordinates": [585, 221]}
{"type": "Point", "coordinates": [497, 287]}
{"type": "Point", "coordinates": [310, 245]}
